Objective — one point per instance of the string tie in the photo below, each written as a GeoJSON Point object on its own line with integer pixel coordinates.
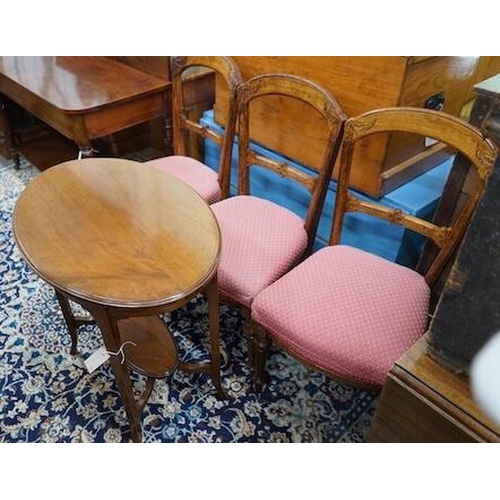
{"type": "Point", "coordinates": [120, 351]}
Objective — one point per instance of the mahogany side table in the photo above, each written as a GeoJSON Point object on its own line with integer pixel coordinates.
{"type": "Point", "coordinates": [127, 242]}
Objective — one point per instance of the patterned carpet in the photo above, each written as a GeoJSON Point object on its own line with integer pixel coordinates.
{"type": "Point", "coordinates": [46, 395]}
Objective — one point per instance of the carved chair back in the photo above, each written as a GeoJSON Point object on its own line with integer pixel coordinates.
{"type": "Point", "coordinates": [453, 132]}
{"type": "Point", "coordinates": [275, 88]}
{"type": "Point", "coordinates": [182, 70]}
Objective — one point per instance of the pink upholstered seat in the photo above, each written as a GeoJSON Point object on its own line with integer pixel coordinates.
{"type": "Point", "coordinates": [260, 242]}
{"type": "Point", "coordinates": [201, 178]}
{"type": "Point", "coordinates": [347, 312]}
{"type": "Point", "coordinates": [350, 313]}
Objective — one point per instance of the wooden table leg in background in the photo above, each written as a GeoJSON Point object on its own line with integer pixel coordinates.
{"type": "Point", "coordinates": [81, 137]}
{"type": "Point", "coordinates": [7, 146]}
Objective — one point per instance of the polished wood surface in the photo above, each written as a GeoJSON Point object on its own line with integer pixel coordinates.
{"type": "Point", "coordinates": [83, 98]}
{"type": "Point", "coordinates": [158, 66]}
{"type": "Point", "coordinates": [422, 401]}
{"type": "Point", "coordinates": [361, 84]}
{"type": "Point", "coordinates": [127, 242]}
{"type": "Point", "coordinates": [403, 415]}
{"type": "Point", "coordinates": [149, 228]}
{"type": "Point", "coordinates": [75, 84]}
{"type": "Point", "coordinates": [158, 351]}
{"type": "Point", "coordinates": [418, 364]}
{"type": "Point", "coordinates": [488, 66]}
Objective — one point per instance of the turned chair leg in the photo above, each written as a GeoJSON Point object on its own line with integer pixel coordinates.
{"type": "Point", "coordinates": [248, 334]}
{"type": "Point", "coordinates": [258, 345]}
{"type": "Point", "coordinates": [260, 350]}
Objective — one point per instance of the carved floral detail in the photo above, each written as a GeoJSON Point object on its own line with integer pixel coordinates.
{"type": "Point", "coordinates": [485, 158]}
{"type": "Point", "coordinates": [248, 89]}
{"type": "Point", "coordinates": [177, 64]}
{"type": "Point", "coordinates": [362, 125]}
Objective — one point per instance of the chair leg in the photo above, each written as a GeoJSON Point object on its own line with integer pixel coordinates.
{"type": "Point", "coordinates": [260, 349]}
{"type": "Point", "coordinates": [258, 346]}
{"type": "Point", "coordinates": [248, 334]}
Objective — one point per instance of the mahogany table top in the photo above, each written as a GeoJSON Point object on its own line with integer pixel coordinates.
{"type": "Point", "coordinates": [76, 84]}
{"type": "Point", "coordinates": [117, 233]}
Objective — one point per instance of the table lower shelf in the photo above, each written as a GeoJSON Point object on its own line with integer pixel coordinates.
{"type": "Point", "coordinates": [155, 353]}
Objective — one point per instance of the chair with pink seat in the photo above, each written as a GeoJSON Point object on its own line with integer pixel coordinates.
{"type": "Point", "coordinates": [345, 311]}
{"type": "Point", "coordinates": [211, 185]}
{"type": "Point", "coordinates": [261, 239]}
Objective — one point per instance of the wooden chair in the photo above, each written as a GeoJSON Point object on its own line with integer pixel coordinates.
{"type": "Point", "coordinates": [211, 185]}
{"type": "Point", "coordinates": [261, 239]}
{"type": "Point", "coordinates": [347, 312]}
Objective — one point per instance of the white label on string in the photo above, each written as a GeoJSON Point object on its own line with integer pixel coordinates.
{"type": "Point", "coordinates": [96, 359]}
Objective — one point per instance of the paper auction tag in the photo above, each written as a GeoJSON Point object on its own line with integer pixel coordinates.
{"type": "Point", "coordinates": [96, 359]}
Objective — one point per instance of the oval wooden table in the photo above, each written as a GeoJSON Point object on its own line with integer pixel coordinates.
{"type": "Point", "coordinates": [127, 242]}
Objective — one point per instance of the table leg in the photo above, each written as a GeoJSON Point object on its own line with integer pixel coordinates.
{"type": "Point", "coordinates": [71, 323]}
{"type": "Point", "coordinates": [168, 135]}
{"type": "Point", "coordinates": [111, 336]}
{"type": "Point", "coordinates": [85, 151]}
{"type": "Point", "coordinates": [80, 135]}
{"type": "Point", "coordinates": [6, 136]}
{"type": "Point", "coordinates": [113, 145]}
{"type": "Point", "coordinates": [213, 319]}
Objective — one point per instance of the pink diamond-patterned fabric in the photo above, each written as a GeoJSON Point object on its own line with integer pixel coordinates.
{"type": "Point", "coordinates": [200, 177]}
{"type": "Point", "coordinates": [260, 242]}
{"type": "Point", "coordinates": [346, 311]}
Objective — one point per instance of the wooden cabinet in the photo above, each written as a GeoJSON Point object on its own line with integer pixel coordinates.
{"type": "Point", "coordinates": [360, 84]}
{"type": "Point", "coordinates": [422, 401]}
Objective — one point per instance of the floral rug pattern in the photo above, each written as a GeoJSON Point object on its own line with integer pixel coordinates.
{"type": "Point", "coordinates": [47, 395]}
